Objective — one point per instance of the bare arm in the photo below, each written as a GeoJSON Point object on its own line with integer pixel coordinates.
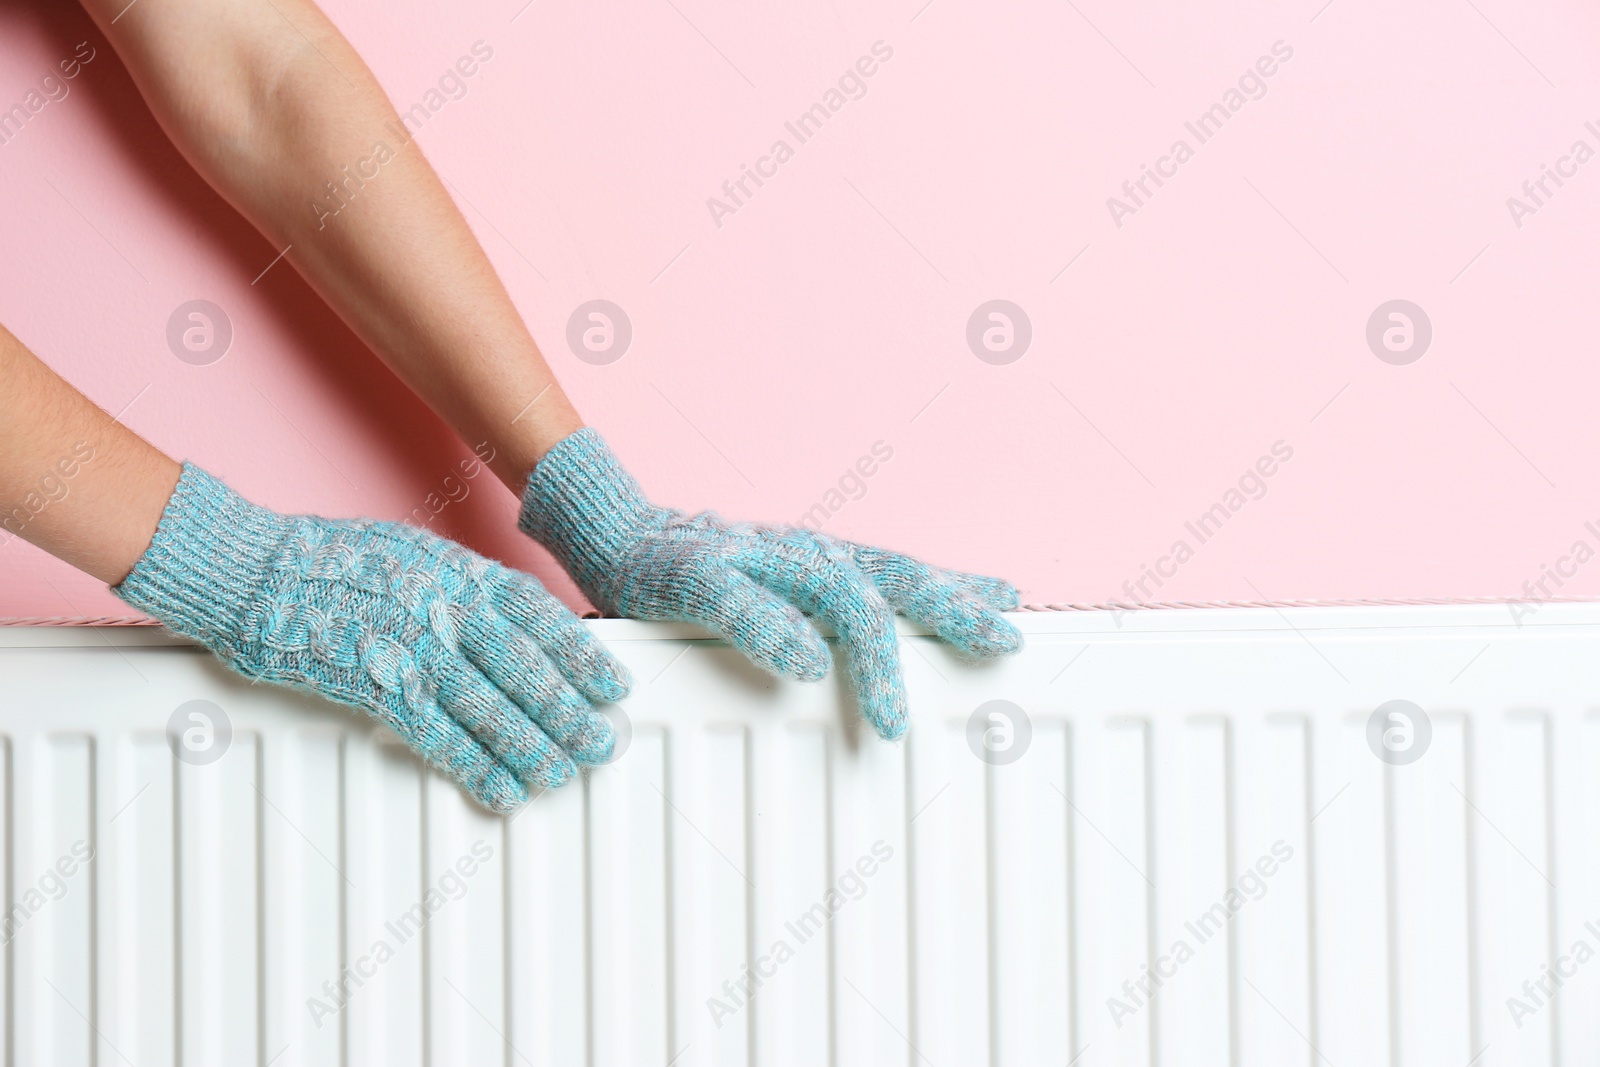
{"type": "Point", "coordinates": [74, 481]}
{"type": "Point", "coordinates": [270, 103]}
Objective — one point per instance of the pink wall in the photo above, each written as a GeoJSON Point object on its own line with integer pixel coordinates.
{"type": "Point", "coordinates": [829, 311]}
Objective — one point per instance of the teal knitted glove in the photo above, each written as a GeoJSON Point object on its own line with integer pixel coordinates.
{"type": "Point", "coordinates": [476, 667]}
{"type": "Point", "coordinates": [750, 583]}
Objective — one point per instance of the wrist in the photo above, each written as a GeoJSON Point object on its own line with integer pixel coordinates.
{"type": "Point", "coordinates": [587, 510]}
{"type": "Point", "coordinates": [111, 502]}
{"type": "Point", "coordinates": [534, 431]}
{"type": "Point", "coordinates": [206, 562]}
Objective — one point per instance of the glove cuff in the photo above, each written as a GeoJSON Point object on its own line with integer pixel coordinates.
{"type": "Point", "coordinates": [587, 510]}
{"type": "Point", "coordinates": [209, 556]}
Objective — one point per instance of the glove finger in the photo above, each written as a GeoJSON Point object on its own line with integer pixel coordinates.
{"type": "Point", "coordinates": [500, 725]}
{"type": "Point", "coordinates": [771, 633]}
{"type": "Point", "coordinates": [581, 656]}
{"type": "Point", "coordinates": [996, 592]}
{"type": "Point", "coordinates": [447, 747]}
{"type": "Point", "coordinates": [843, 595]}
{"type": "Point", "coordinates": [517, 667]}
{"type": "Point", "coordinates": [938, 600]}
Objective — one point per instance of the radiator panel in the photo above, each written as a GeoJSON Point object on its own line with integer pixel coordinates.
{"type": "Point", "coordinates": [1188, 853]}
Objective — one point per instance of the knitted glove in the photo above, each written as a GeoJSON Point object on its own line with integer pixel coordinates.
{"type": "Point", "coordinates": [474, 666]}
{"type": "Point", "coordinates": [746, 582]}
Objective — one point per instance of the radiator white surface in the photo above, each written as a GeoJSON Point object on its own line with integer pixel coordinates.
{"type": "Point", "coordinates": [613, 922]}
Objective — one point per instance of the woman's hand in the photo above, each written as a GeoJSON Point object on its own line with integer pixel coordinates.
{"type": "Point", "coordinates": [476, 667]}
{"type": "Point", "coordinates": [751, 583]}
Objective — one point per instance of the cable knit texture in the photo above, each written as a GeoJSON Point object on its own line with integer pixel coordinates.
{"type": "Point", "coordinates": [751, 583]}
{"type": "Point", "coordinates": [480, 670]}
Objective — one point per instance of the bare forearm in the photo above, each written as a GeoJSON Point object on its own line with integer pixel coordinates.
{"type": "Point", "coordinates": [74, 481]}
{"type": "Point", "coordinates": [271, 105]}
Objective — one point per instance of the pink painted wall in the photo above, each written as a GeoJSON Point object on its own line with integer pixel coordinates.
{"type": "Point", "coordinates": [1171, 348]}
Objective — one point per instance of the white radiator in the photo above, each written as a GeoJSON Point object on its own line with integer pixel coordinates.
{"type": "Point", "coordinates": [758, 881]}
